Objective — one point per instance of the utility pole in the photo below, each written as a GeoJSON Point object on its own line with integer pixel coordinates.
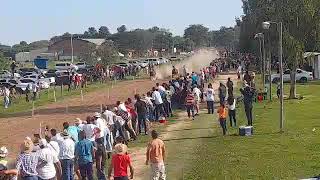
{"type": "Point", "coordinates": [71, 40]}
{"type": "Point", "coordinates": [281, 76]}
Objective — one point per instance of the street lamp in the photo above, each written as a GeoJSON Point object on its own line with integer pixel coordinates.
{"type": "Point", "coordinates": [260, 36]}
{"type": "Point", "coordinates": [266, 25]}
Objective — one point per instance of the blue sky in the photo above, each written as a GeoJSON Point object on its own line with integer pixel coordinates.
{"type": "Point", "coordinates": [32, 20]}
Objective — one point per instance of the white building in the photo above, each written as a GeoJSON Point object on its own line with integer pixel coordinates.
{"type": "Point", "coordinates": [313, 59]}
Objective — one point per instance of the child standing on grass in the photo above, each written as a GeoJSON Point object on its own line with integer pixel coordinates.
{"type": "Point", "coordinates": [222, 111]}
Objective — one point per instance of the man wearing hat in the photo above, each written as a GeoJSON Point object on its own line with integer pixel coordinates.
{"type": "Point", "coordinates": [27, 161]}
{"type": "Point", "coordinates": [49, 166]}
{"type": "Point", "coordinates": [66, 155]}
{"type": "Point", "coordinates": [120, 162]}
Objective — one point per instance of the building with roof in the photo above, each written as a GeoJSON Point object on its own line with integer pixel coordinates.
{"type": "Point", "coordinates": [63, 50]}
{"type": "Point", "coordinates": [313, 59]}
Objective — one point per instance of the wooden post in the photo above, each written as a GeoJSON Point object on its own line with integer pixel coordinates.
{"type": "Point", "coordinates": [81, 95]}
{"type": "Point", "coordinates": [32, 113]}
{"type": "Point", "coordinates": [54, 95]}
{"type": "Point", "coordinates": [101, 108]}
{"type": "Point", "coordinates": [61, 89]}
{"type": "Point", "coordinates": [40, 129]}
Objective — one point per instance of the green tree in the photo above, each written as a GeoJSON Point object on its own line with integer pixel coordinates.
{"type": "Point", "coordinates": [108, 53]}
{"type": "Point", "coordinates": [198, 34]}
{"type": "Point", "coordinates": [122, 29]}
{"type": "Point", "coordinates": [4, 63]}
{"type": "Point", "coordinates": [92, 32]}
{"type": "Point", "coordinates": [104, 32]}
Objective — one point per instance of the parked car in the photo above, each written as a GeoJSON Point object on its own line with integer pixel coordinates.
{"type": "Point", "coordinates": [122, 64]}
{"type": "Point", "coordinates": [163, 60]}
{"type": "Point", "coordinates": [143, 63]}
{"type": "Point", "coordinates": [65, 66]}
{"type": "Point", "coordinates": [174, 58]}
{"type": "Point", "coordinates": [301, 76]}
{"type": "Point", "coordinates": [25, 82]}
{"type": "Point", "coordinates": [153, 61]}
{"type": "Point", "coordinates": [81, 65]}
{"type": "Point", "coordinates": [7, 74]}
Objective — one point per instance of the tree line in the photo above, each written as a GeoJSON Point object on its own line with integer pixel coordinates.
{"type": "Point", "coordinates": [301, 29]}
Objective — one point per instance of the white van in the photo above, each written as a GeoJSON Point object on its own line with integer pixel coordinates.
{"type": "Point", "coordinates": [65, 66]}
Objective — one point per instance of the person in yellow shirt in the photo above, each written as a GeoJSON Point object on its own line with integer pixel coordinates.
{"type": "Point", "coordinates": [222, 112]}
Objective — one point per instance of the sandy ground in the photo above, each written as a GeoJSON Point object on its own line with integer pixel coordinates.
{"type": "Point", "coordinates": [14, 130]}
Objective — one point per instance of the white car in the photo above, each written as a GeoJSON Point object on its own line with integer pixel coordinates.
{"type": "Point", "coordinates": [26, 82]}
{"type": "Point", "coordinates": [66, 66]}
{"type": "Point", "coordinates": [154, 61]}
{"type": "Point", "coordinates": [7, 74]}
{"type": "Point", "coordinates": [301, 76]}
{"type": "Point", "coordinates": [81, 65]}
{"type": "Point", "coordinates": [163, 60]}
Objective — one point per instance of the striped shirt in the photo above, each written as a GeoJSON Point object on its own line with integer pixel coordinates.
{"type": "Point", "coordinates": [189, 100]}
{"type": "Point", "coordinates": [27, 164]}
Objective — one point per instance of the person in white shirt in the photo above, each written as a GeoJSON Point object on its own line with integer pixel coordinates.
{"type": "Point", "coordinates": [35, 88]}
{"type": "Point", "coordinates": [89, 129]}
{"type": "Point", "coordinates": [55, 136]}
{"type": "Point", "coordinates": [210, 99]}
{"type": "Point", "coordinates": [108, 116]}
{"type": "Point", "coordinates": [158, 103]}
{"type": "Point", "coordinates": [6, 95]}
{"type": "Point", "coordinates": [66, 156]}
{"type": "Point", "coordinates": [48, 166]}
{"type": "Point", "coordinates": [197, 94]}
{"type": "Point", "coordinates": [161, 89]}
{"type": "Point", "coordinates": [232, 110]}
{"type": "Point", "coordinates": [53, 146]}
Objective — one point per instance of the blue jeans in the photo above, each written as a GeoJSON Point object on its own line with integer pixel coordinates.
{"type": "Point", "coordinates": [190, 110]}
{"type": "Point", "coordinates": [159, 111]}
{"type": "Point", "coordinates": [210, 105]}
{"type": "Point", "coordinates": [142, 123]}
{"type": "Point", "coordinates": [108, 140]}
{"type": "Point", "coordinates": [86, 171]}
{"type": "Point", "coordinates": [67, 169]}
{"type": "Point", "coordinates": [30, 178]}
{"type": "Point", "coordinates": [223, 124]}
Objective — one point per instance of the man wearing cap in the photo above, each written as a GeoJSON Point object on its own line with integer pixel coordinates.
{"type": "Point", "coordinates": [48, 166]}
{"type": "Point", "coordinates": [66, 156]}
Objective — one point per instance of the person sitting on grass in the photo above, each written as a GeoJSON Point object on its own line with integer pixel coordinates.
{"type": "Point", "coordinates": [222, 111]}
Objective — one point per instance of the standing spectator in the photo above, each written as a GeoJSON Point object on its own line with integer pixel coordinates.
{"type": "Point", "coordinates": [6, 95]}
{"type": "Point", "coordinates": [239, 71]}
{"type": "Point", "coordinates": [72, 131]}
{"type": "Point", "coordinates": [197, 98]}
{"type": "Point", "coordinates": [119, 124]}
{"type": "Point", "coordinates": [55, 136]}
{"type": "Point", "coordinates": [247, 77]}
{"type": "Point", "coordinates": [100, 155]}
{"type": "Point", "coordinates": [125, 116]}
{"type": "Point", "coordinates": [84, 155]}
{"type": "Point", "coordinates": [210, 99]}
{"type": "Point", "coordinates": [248, 94]}
{"type": "Point", "coordinates": [222, 118]}
{"type": "Point", "coordinates": [27, 91]}
{"type": "Point", "coordinates": [27, 161]}
{"type": "Point", "coordinates": [232, 110]}
{"type": "Point", "coordinates": [119, 164]}
{"type": "Point", "coordinates": [156, 154]}
{"type": "Point", "coordinates": [34, 88]}
{"type": "Point", "coordinates": [13, 68]}
{"type": "Point", "coordinates": [109, 118]}
{"type": "Point", "coordinates": [278, 90]}
{"type": "Point", "coordinates": [49, 166]}
{"type": "Point", "coordinates": [230, 87]}
{"type": "Point", "coordinates": [66, 156]}
{"type": "Point", "coordinates": [222, 93]}
{"type": "Point", "coordinates": [167, 101]}
{"type": "Point", "coordinates": [141, 108]}
{"type": "Point", "coordinates": [156, 96]}
{"type": "Point", "coordinates": [190, 100]}
{"type": "Point", "coordinates": [89, 129]}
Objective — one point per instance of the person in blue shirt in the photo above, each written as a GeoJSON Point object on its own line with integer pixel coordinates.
{"type": "Point", "coordinates": [72, 130]}
{"type": "Point", "coordinates": [84, 155]}
{"type": "Point", "coordinates": [194, 79]}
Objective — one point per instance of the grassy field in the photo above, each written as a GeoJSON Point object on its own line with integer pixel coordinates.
{"type": "Point", "coordinates": [202, 153]}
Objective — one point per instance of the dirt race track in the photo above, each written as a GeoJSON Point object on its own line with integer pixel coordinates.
{"type": "Point", "coordinates": [13, 130]}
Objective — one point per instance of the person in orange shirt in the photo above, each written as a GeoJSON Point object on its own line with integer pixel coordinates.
{"type": "Point", "coordinates": [156, 155]}
{"type": "Point", "coordinates": [222, 111]}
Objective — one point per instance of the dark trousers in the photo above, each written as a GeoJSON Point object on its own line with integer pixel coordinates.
{"type": "Point", "coordinates": [100, 157]}
{"type": "Point", "coordinates": [30, 178]}
{"type": "Point", "coordinates": [232, 116]}
{"type": "Point", "coordinates": [159, 111]}
{"type": "Point", "coordinates": [142, 122]}
{"type": "Point", "coordinates": [223, 124]}
{"type": "Point", "coordinates": [168, 108]}
{"type": "Point", "coordinates": [130, 130]}
{"type": "Point", "coordinates": [190, 110]}
{"type": "Point", "coordinates": [86, 171]}
{"type": "Point", "coordinates": [34, 96]}
{"type": "Point", "coordinates": [210, 107]}
{"type": "Point", "coordinates": [222, 99]}
{"type": "Point", "coordinates": [248, 111]}
{"type": "Point", "coordinates": [121, 130]}
{"type": "Point", "coordinates": [67, 169]}
{"type": "Point", "coordinates": [121, 178]}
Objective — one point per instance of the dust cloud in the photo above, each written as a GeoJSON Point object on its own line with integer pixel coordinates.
{"type": "Point", "coordinates": [197, 61]}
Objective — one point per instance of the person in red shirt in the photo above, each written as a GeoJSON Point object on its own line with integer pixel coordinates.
{"type": "Point", "coordinates": [119, 164]}
{"type": "Point", "coordinates": [190, 104]}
